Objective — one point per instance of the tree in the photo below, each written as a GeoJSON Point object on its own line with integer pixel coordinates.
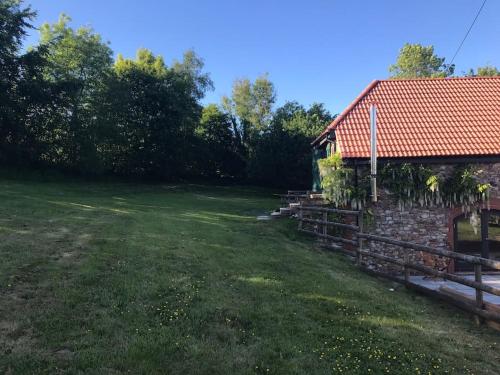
{"type": "Point", "coordinates": [485, 71]}
{"type": "Point", "coordinates": [156, 110]}
{"type": "Point", "coordinates": [79, 63]}
{"type": "Point", "coordinates": [191, 70]}
{"type": "Point", "coordinates": [218, 156]}
{"type": "Point", "coordinates": [417, 61]}
{"type": "Point", "coordinates": [282, 156]}
{"type": "Point", "coordinates": [18, 89]}
{"type": "Point", "coordinates": [250, 108]}
{"type": "Point", "coordinates": [488, 71]}
{"type": "Point", "coordinates": [15, 20]}
{"type": "Point", "coordinates": [308, 123]}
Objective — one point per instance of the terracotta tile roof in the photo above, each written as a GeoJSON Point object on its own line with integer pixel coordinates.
{"type": "Point", "coordinates": [423, 118]}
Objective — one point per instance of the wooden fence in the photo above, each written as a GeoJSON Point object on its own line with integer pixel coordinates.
{"type": "Point", "coordinates": [317, 221]}
{"type": "Point", "coordinates": [296, 196]}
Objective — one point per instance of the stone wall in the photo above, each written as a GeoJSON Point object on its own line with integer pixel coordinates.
{"type": "Point", "coordinates": [491, 173]}
{"type": "Point", "coordinates": [422, 225]}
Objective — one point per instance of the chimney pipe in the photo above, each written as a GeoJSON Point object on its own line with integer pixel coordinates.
{"type": "Point", "coordinates": [373, 150]}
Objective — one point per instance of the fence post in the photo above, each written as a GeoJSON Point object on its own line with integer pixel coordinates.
{"type": "Point", "coordinates": [360, 240]}
{"type": "Point", "coordinates": [300, 218]}
{"type": "Point", "coordinates": [325, 219]}
{"type": "Point", "coordinates": [479, 292]}
{"type": "Point", "coordinates": [406, 259]}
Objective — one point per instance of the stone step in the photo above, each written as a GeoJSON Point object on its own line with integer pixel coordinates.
{"type": "Point", "coordinates": [276, 215]}
{"type": "Point", "coordinates": [285, 211]}
{"type": "Point", "coordinates": [263, 217]}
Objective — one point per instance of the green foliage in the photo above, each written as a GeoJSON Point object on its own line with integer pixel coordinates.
{"type": "Point", "coordinates": [79, 63]}
{"type": "Point", "coordinates": [250, 108]}
{"type": "Point", "coordinates": [465, 188]}
{"type": "Point", "coordinates": [410, 184]}
{"type": "Point", "coordinates": [488, 71]}
{"type": "Point", "coordinates": [417, 61]}
{"type": "Point", "coordinates": [67, 104]}
{"type": "Point", "coordinates": [217, 153]}
{"type": "Point", "coordinates": [417, 184]}
{"type": "Point", "coordinates": [190, 70]}
{"type": "Point", "coordinates": [485, 71]}
{"type": "Point", "coordinates": [14, 20]}
{"type": "Point", "coordinates": [22, 92]}
{"type": "Point", "coordinates": [338, 184]}
{"type": "Point", "coordinates": [281, 155]}
{"type": "Point", "coordinates": [157, 110]}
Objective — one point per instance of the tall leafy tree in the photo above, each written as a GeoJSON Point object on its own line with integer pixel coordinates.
{"type": "Point", "coordinates": [190, 69]}
{"type": "Point", "coordinates": [218, 154]}
{"type": "Point", "coordinates": [417, 61]}
{"type": "Point", "coordinates": [283, 153]}
{"type": "Point", "coordinates": [156, 111]}
{"type": "Point", "coordinates": [80, 63]}
{"type": "Point", "coordinates": [20, 84]}
{"type": "Point", "coordinates": [250, 107]}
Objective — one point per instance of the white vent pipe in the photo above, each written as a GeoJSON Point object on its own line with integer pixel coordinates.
{"type": "Point", "coordinates": [373, 150]}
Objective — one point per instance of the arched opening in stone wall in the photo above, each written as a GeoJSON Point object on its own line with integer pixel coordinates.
{"type": "Point", "coordinates": [477, 235]}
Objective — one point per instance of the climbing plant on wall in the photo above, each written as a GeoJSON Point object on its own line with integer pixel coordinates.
{"type": "Point", "coordinates": [410, 184]}
{"type": "Point", "coordinates": [337, 182]}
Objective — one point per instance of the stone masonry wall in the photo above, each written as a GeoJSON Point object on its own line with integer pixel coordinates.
{"type": "Point", "coordinates": [421, 225]}
{"type": "Point", "coordinates": [491, 173]}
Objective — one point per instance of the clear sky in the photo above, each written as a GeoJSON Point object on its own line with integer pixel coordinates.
{"type": "Point", "coordinates": [314, 51]}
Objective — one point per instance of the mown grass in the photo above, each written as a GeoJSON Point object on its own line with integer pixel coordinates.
{"type": "Point", "coordinates": [106, 278]}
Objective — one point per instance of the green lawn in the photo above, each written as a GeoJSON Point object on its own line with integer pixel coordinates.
{"type": "Point", "coordinates": [466, 231]}
{"type": "Point", "coordinates": [106, 278]}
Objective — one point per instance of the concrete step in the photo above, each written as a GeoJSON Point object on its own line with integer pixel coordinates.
{"type": "Point", "coordinates": [276, 215]}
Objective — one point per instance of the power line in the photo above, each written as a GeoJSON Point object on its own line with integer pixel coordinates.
{"type": "Point", "coordinates": [467, 34]}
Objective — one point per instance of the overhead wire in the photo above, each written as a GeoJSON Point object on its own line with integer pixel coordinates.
{"type": "Point", "coordinates": [468, 32]}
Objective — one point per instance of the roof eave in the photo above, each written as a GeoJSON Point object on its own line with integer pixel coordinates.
{"type": "Point", "coordinates": [344, 113]}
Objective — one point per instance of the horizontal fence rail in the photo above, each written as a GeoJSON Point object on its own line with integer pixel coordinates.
{"type": "Point", "coordinates": [326, 209]}
{"type": "Point", "coordinates": [332, 223]}
{"type": "Point", "coordinates": [317, 220]}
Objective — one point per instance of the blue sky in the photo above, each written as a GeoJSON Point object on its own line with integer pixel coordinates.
{"type": "Point", "coordinates": [314, 51]}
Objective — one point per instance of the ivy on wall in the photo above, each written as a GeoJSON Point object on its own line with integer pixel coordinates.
{"type": "Point", "coordinates": [410, 184]}
{"type": "Point", "coordinates": [337, 182]}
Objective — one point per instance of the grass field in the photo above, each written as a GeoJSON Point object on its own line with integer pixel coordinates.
{"type": "Point", "coordinates": [105, 278]}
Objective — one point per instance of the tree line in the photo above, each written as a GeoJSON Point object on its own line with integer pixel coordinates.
{"type": "Point", "coordinates": [67, 104]}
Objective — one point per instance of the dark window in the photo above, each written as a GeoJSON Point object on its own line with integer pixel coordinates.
{"type": "Point", "coordinates": [494, 235]}
{"type": "Point", "coordinates": [468, 236]}
{"type": "Point", "coordinates": [479, 236]}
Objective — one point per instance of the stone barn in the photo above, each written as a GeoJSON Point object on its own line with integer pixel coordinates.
{"type": "Point", "coordinates": [440, 125]}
